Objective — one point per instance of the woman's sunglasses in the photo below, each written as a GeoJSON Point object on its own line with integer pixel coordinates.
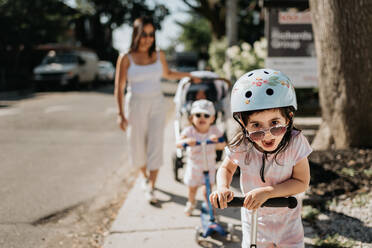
{"type": "Point", "coordinates": [198, 115]}
{"type": "Point", "coordinates": [145, 35]}
{"type": "Point", "coordinates": [260, 135]}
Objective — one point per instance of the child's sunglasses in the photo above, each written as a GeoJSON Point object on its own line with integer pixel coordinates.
{"type": "Point", "coordinates": [260, 135]}
{"type": "Point", "coordinates": [145, 35]}
{"type": "Point", "coordinates": [198, 115]}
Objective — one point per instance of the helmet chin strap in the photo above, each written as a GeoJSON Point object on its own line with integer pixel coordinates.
{"type": "Point", "coordinates": [264, 157]}
{"type": "Point", "coordinates": [262, 170]}
{"type": "Point", "coordinates": [237, 117]}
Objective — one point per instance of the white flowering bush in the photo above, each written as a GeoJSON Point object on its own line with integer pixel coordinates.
{"type": "Point", "coordinates": [217, 49]}
{"type": "Point", "coordinates": [237, 60]}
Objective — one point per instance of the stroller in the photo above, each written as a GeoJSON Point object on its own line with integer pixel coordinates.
{"type": "Point", "coordinates": [212, 88]}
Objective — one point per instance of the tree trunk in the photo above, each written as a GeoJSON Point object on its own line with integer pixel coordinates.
{"type": "Point", "coordinates": [343, 40]}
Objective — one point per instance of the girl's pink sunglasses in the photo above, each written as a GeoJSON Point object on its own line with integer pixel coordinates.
{"type": "Point", "coordinates": [260, 135]}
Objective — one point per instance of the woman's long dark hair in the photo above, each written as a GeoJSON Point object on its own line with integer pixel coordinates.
{"type": "Point", "coordinates": [138, 26]}
{"type": "Point", "coordinates": [241, 136]}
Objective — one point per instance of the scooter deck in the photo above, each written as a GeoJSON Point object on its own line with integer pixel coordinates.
{"type": "Point", "coordinates": [209, 227]}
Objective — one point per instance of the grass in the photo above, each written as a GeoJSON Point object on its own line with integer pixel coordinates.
{"type": "Point", "coordinates": [309, 213]}
{"type": "Point", "coordinates": [361, 200]}
{"type": "Point", "coordinates": [333, 241]}
{"type": "Point", "coordinates": [348, 172]}
{"type": "Point", "coordinates": [368, 172]}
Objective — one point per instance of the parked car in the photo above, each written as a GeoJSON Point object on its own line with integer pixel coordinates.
{"type": "Point", "coordinates": [74, 67]}
{"type": "Point", "coordinates": [106, 71]}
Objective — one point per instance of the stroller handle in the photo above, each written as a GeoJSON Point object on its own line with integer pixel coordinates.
{"type": "Point", "coordinates": [208, 141]}
{"type": "Point", "coordinates": [227, 81]}
{"type": "Point", "coordinates": [277, 202]}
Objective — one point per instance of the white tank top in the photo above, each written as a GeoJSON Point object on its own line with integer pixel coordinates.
{"type": "Point", "coordinates": [144, 79]}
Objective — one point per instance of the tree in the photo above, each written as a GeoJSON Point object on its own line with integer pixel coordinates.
{"type": "Point", "coordinates": [343, 34]}
{"type": "Point", "coordinates": [196, 35]}
{"type": "Point", "coordinates": [25, 24]}
{"type": "Point", "coordinates": [28, 23]}
{"type": "Point", "coordinates": [105, 16]}
{"type": "Point", "coordinates": [250, 18]}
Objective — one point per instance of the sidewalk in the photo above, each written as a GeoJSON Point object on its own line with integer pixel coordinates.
{"type": "Point", "coordinates": [142, 225]}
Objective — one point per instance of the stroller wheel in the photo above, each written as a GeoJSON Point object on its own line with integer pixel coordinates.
{"type": "Point", "coordinates": [230, 230]}
{"type": "Point", "coordinates": [177, 163]}
{"type": "Point", "coordinates": [218, 155]}
{"type": "Point", "coordinates": [220, 152]}
{"type": "Point", "coordinates": [198, 233]}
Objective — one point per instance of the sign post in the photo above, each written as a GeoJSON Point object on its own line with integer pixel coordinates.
{"type": "Point", "coordinates": [291, 46]}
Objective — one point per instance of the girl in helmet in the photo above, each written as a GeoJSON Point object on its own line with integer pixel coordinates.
{"type": "Point", "coordinates": [202, 128]}
{"type": "Point", "coordinates": [271, 154]}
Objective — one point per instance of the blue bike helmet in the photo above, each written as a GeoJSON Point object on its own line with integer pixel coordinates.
{"type": "Point", "coordinates": [259, 90]}
{"type": "Point", "coordinates": [262, 89]}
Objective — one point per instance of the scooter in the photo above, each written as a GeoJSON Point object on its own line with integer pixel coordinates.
{"type": "Point", "coordinates": [209, 225]}
{"type": "Point", "coordinates": [290, 202]}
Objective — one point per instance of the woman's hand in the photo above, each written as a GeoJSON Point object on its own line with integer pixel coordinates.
{"type": "Point", "coordinates": [123, 122]}
{"type": "Point", "coordinates": [223, 195]}
{"type": "Point", "coordinates": [196, 80]}
{"type": "Point", "coordinates": [255, 198]}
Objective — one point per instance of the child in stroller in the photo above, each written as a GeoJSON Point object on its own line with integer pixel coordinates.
{"type": "Point", "coordinates": [212, 88]}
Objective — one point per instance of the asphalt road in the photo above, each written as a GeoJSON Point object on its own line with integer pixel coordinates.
{"type": "Point", "coordinates": [57, 151]}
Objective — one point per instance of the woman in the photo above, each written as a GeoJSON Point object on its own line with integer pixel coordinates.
{"type": "Point", "coordinates": [143, 114]}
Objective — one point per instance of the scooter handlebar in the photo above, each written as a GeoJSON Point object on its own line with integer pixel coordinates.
{"type": "Point", "coordinates": [290, 202]}
{"type": "Point", "coordinates": [208, 141]}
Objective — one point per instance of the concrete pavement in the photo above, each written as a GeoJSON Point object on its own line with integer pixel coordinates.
{"type": "Point", "coordinates": [139, 224]}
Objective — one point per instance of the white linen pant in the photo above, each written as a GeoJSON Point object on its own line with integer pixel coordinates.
{"type": "Point", "coordinates": [145, 133]}
{"type": "Point", "coordinates": [283, 230]}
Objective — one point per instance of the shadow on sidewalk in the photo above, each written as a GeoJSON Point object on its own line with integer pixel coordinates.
{"type": "Point", "coordinates": [173, 198]}
{"type": "Point", "coordinates": [215, 240]}
{"type": "Point", "coordinates": [233, 213]}
{"type": "Point", "coordinates": [344, 225]}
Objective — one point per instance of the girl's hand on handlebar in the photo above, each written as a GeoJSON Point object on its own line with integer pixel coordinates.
{"type": "Point", "coordinates": [255, 198]}
{"type": "Point", "coordinates": [223, 195]}
{"type": "Point", "coordinates": [123, 122]}
{"type": "Point", "coordinates": [214, 138]}
{"type": "Point", "coordinates": [190, 141]}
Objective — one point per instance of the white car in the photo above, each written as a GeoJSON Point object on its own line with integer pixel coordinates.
{"type": "Point", "coordinates": [106, 71]}
{"type": "Point", "coordinates": [67, 67]}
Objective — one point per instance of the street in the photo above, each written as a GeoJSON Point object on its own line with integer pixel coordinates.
{"type": "Point", "coordinates": [59, 151]}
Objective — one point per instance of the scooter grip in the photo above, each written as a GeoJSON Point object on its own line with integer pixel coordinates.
{"type": "Point", "coordinates": [198, 143]}
{"type": "Point", "coordinates": [290, 202]}
{"type": "Point", "coordinates": [235, 202]}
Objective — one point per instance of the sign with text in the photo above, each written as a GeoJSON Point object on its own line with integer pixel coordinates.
{"type": "Point", "coordinates": [291, 46]}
